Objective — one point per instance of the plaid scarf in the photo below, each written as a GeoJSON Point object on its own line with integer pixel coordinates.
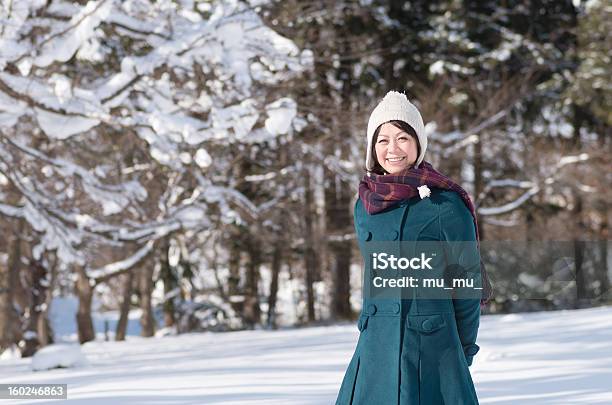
{"type": "Point", "coordinates": [379, 192]}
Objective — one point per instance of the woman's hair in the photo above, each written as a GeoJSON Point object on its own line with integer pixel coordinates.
{"type": "Point", "coordinates": [378, 169]}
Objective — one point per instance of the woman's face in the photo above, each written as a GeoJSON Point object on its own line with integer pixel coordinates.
{"type": "Point", "coordinates": [395, 149]}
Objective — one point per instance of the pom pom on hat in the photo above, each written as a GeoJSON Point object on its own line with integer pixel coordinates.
{"type": "Point", "coordinates": [395, 106]}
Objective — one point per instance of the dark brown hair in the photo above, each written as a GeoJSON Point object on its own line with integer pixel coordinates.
{"type": "Point", "coordinates": [404, 126]}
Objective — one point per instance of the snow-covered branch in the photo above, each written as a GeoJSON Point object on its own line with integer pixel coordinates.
{"type": "Point", "coordinates": [511, 206]}
{"type": "Point", "coordinates": [182, 83]}
{"type": "Point", "coordinates": [533, 187]}
{"type": "Point", "coordinates": [115, 269]}
{"type": "Point", "coordinates": [10, 210]}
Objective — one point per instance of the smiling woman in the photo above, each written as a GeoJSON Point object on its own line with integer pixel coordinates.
{"type": "Point", "coordinates": [395, 147]}
{"type": "Point", "coordinates": [412, 348]}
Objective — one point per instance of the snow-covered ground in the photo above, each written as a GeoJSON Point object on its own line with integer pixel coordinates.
{"type": "Point", "coordinates": [562, 357]}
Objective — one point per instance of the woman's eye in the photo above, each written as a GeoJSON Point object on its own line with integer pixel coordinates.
{"type": "Point", "coordinates": [383, 141]}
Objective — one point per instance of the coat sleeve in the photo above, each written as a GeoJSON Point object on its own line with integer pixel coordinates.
{"type": "Point", "coordinates": [463, 261]}
{"type": "Point", "coordinates": [355, 217]}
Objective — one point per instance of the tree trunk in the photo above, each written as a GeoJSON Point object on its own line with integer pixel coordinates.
{"type": "Point", "coordinates": [603, 236]}
{"type": "Point", "coordinates": [338, 202]}
{"type": "Point", "coordinates": [604, 280]}
{"type": "Point", "coordinates": [45, 333]}
{"type": "Point", "coordinates": [276, 266]}
{"type": "Point", "coordinates": [339, 222]}
{"type": "Point", "coordinates": [310, 254]}
{"type": "Point", "coordinates": [320, 241]}
{"type": "Point", "coordinates": [236, 298]}
{"type": "Point", "coordinates": [37, 272]}
{"type": "Point", "coordinates": [170, 283]}
{"type": "Point", "coordinates": [478, 182]}
{"type": "Point", "coordinates": [252, 311]}
{"type": "Point", "coordinates": [84, 292]}
{"type": "Point", "coordinates": [124, 310]}
{"type": "Point", "coordinates": [580, 229]}
{"type": "Point", "coordinates": [581, 276]}
{"type": "Point", "coordinates": [10, 329]}
{"type": "Point", "coordinates": [341, 304]}
{"type": "Point", "coordinates": [147, 320]}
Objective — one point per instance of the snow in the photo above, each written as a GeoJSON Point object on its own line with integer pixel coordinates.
{"type": "Point", "coordinates": [58, 356]}
{"type": "Point", "coordinates": [124, 264]}
{"type": "Point", "coordinates": [218, 95]}
{"type": "Point", "coordinates": [510, 183]}
{"type": "Point", "coordinates": [12, 353]}
{"type": "Point", "coordinates": [81, 111]}
{"type": "Point", "coordinates": [510, 206]}
{"type": "Point", "coordinates": [53, 235]}
{"type": "Point", "coordinates": [202, 158]}
{"type": "Point", "coordinates": [62, 126]}
{"type": "Point", "coordinates": [240, 117]}
{"type": "Point", "coordinates": [560, 357]}
{"type": "Point", "coordinates": [10, 211]}
{"type": "Point", "coordinates": [436, 68]}
{"type": "Point", "coordinates": [280, 115]}
{"type": "Point", "coordinates": [11, 110]}
{"type": "Point", "coordinates": [566, 160]}
{"type": "Point", "coordinates": [190, 216]}
{"type": "Point", "coordinates": [62, 44]}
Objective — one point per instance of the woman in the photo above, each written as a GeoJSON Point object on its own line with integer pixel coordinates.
{"type": "Point", "coordinates": [414, 347]}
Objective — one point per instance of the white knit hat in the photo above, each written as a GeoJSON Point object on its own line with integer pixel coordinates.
{"type": "Point", "coordinates": [395, 106]}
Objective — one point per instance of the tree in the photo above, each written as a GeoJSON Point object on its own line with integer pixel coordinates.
{"type": "Point", "coordinates": [108, 117]}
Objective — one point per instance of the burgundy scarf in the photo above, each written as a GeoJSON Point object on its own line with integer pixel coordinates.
{"type": "Point", "coordinates": [379, 192]}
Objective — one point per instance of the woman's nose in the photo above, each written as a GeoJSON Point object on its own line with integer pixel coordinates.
{"type": "Point", "coordinates": [392, 146]}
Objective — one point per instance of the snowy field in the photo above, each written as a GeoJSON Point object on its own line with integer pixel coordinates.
{"type": "Point", "coordinates": [562, 357]}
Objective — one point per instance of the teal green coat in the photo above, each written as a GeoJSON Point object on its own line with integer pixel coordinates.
{"type": "Point", "coordinates": [415, 350]}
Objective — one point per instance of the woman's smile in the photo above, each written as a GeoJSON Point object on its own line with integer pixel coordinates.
{"type": "Point", "coordinates": [395, 159]}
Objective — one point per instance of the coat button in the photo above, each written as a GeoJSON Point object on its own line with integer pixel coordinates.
{"type": "Point", "coordinates": [395, 308]}
{"type": "Point", "coordinates": [371, 309]}
{"type": "Point", "coordinates": [427, 325]}
{"type": "Point", "coordinates": [368, 236]}
{"type": "Point", "coordinates": [394, 235]}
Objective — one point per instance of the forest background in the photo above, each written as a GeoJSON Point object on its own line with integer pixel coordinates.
{"type": "Point", "coordinates": [198, 161]}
